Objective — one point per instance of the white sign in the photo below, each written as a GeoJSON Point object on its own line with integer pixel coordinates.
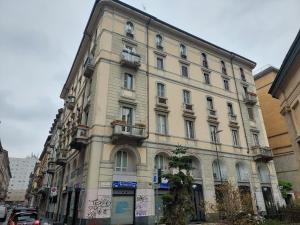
{"type": "Point", "coordinates": [144, 202]}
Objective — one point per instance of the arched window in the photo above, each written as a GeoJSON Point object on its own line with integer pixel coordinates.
{"type": "Point", "coordinates": [242, 172]}
{"type": "Point", "coordinates": [158, 41]}
{"type": "Point", "coordinates": [264, 173]}
{"type": "Point", "coordinates": [121, 161]}
{"type": "Point", "coordinates": [204, 60]}
{"type": "Point", "coordinates": [223, 67]}
{"type": "Point", "coordinates": [183, 51]}
{"type": "Point", "coordinates": [219, 171]}
{"type": "Point", "coordinates": [129, 29]}
{"type": "Point", "coordinates": [161, 162]}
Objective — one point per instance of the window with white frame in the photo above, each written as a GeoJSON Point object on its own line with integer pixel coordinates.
{"type": "Point", "coordinates": [255, 139]}
{"type": "Point", "coordinates": [161, 123]}
{"type": "Point", "coordinates": [226, 84]}
{"type": "Point", "coordinates": [158, 40]}
{"type": "Point", "coordinates": [219, 170]}
{"type": "Point", "coordinates": [213, 133]}
{"type": "Point", "coordinates": [128, 81]}
{"type": "Point", "coordinates": [160, 90]}
{"type": "Point", "coordinates": [121, 161]}
{"type": "Point", "coordinates": [242, 172]}
{"type": "Point", "coordinates": [186, 97]}
{"type": "Point", "coordinates": [183, 53]}
{"type": "Point", "coordinates": [206, 78]}
{"type": "Point", "coordinates": [160, 63]}
{"type": "Point", "coordinates": [160, 162]}
{"type": "Point", "coordinates": [184, 71]}
{"type": "Point", "coordinates": [189, 129]}
{"type": "Point", "coordinates": [235, 137]}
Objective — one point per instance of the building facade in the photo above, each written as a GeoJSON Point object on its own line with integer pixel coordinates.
{"type": "Point", "coordinates": [5, 174]}
{"type": "Point", "coordinates": [285, 160]}
{"type": "Point", "coordinates": [21, 169]}
{"type": "Point", "coordinates": [286, 88]}
{"type": "Point", "coordinates": [139, 87]}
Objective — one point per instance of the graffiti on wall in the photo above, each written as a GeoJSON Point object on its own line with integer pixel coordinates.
{"type": "Point", "coordinates": [98, 204]}
{"type": "Point", "coordinates": [144, 202]}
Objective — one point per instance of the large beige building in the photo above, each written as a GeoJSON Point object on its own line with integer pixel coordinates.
{"type": "Point", "coordinates": [286, 88]}
{"type": "Point", "coordinates": [285, 160]}
{"type": "Point", "coordinates": [139, 87]}
{"type": "Point", "coordinates": [5, 174]}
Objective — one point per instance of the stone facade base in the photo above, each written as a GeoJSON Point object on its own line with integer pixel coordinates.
{"type": "Point", "coordinates": [147, 220]}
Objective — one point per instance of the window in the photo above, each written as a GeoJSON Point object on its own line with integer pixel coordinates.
{"type": "Point", "coordinates": [160, 90]}
{"type": "Point", "coordinates": [245, 90]}
{"type": "Point", "coordinates": [184, 71]}
{"type": "Point", "coordinates": [204, 60]}
{"type": "Point", "coordinates": [226, 84]}
{"type": "Point", "coordinates": [210, 103]}
{"type": "Point", "coordinates": [243, 77]}
{"type": "Point", "coordinates": [206, 78]}
{"type": "Point", "coordinates": [129, 29]}
{"type": "Point", "coordinates": [158, 41]}
{"type": "Point", "coordinates": [183, 51]}
{"type": "Point", "coordinates": [160, 63]}
{"type": "Point", "coordinates": [186, 97]}
{"type": "Point", "coordinates": [128, 81]}
{"type": "Point", "coordinates": [159, 162]}
{"type": "Point", "coordinates": [214, 134]}
{"type": "Point", "coordinates": [121, 161]}
{"type": "Point", "coordinates": [230, 109]}
{"type": "Point", "coordinates": [127, 115]}
{"type": "Point", "coordinates": [223, 67]}
{"type": "Point", "coordinates": [161, 124]}
{"type": "Point", "coordinates": [251, 114]}
{"type": "Point", "coordinates": [189, 128]}
{"type": "Point", "coordinates": [255, 139]}
{"type": "Point", "coordinates": [235, 137]}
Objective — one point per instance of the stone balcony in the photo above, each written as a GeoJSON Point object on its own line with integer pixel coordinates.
{"type": "Point", "coordinates": [250, 98]}
{"type": "Point", "coordinates": [61, 158]}
{"type": "Point", "coordinates": [130, 59]}
{"type": "Point", "coordinates": [79, 137]}
{"type": "Point", "coordinates": [51, 168]}
{"type": "Point", "coordinates": [70, 102]}
{"type": "Point", "coordinates": [89, 67]}
{"type": "Point", "coordinates": [262, 153]}
{"type": "Point", "coordinates": [124, 133]}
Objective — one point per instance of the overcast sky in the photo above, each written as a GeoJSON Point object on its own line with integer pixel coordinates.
{"type": "Point", "coordinates": [39, 40]}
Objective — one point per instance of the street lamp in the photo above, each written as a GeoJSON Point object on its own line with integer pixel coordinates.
{"type": "Point", "coordinates": [217, 153]}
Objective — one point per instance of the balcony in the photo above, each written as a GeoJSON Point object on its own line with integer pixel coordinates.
{"type": "Point", "coordinates": [70, 102]}
{"type": "Point", "coordinates": [61, 158]}
{"type": "Point", "coordinates": [188, 108]}
{"type": "Point", "coordinates": [250, 98]}
{"type": "Point", "coordinates": [232, 119]}
{"type": "Point", "coordinates": [262, 153]}
{"type": "Point", "coordinates": [124, 133]}
{"type": "Point", "coordinates": [79, 137]}
{"type": "Point", "coordinates": [51, 168]}
{"type": "Point", "coordinates": [89, 67]}
{"type": "Point", "coordinates": [130, 59]}
{"type": "Point", "coordinates": [161, 102]}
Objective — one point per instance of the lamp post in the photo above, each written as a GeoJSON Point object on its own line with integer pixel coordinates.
{"type": "Point", "coordinates": [216, 132]}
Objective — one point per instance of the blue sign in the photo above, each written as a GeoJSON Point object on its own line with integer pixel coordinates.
{"type": "Point", "coordinates": [124, 184]}
{"type": "Point", "coordinates": [164, 185]}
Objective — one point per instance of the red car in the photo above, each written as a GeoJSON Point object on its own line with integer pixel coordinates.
{"type": "Point", "coordinates": [24, 218]}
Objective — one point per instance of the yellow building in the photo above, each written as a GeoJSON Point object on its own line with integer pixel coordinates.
{"type": "Point", "coordinates": [286, 88]}
{"type": "Point", "coordinates": [137, 88]}
{"type": "Point", "coordinates": [277, 129]}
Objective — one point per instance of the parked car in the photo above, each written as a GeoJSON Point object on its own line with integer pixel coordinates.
{"type": "Point", "coordinates": [22, 209]}
{"type": "Point", "coordinates": [24, 218]}
{"type": "Point", "coordinates": [3, 213]}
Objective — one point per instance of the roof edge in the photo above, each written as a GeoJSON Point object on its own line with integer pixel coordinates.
{"type": "Point", "coordinates": [265, 72]}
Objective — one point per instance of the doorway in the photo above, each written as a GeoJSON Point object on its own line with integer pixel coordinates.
{"type": "Point", "coordinates": [268, 198]}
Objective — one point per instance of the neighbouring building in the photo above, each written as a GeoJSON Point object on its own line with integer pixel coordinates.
{"type": "Point", "coordinates": [5, 174]}
{"type": "Point", "coordinates": [137, 88]}
{"type": "Point", "coordinates": [286, 88]}
{"type": "Point", "coordinates": [285, 160]}
{"type": "Point", "coordinates": [21, 169]}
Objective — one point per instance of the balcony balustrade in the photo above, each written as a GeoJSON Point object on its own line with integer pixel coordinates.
{"type": "Point", "coordinates": [130, 59]}
{"type": "Point", "coordinates": [123, 132]}
{"type": "Point", "coordinates": [79, 137]}
{"type": "Point", "coordinates": [262, 153]}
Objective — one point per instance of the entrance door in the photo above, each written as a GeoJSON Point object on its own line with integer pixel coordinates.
{"type": "Point", "coordinates": [197, 199]}
{"type": "Point", "coordinates": [245, 196]}
{"type": "Point", "coordinates": [268, 198]}
{"type": "Point", "coordinates": [122, 210]}
{"type": "Point", "coordinates": [75, 209]}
